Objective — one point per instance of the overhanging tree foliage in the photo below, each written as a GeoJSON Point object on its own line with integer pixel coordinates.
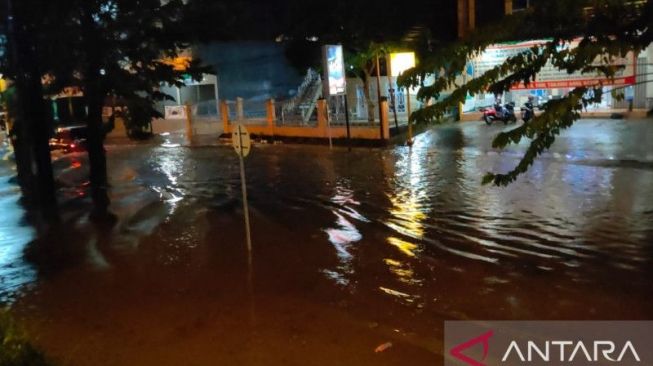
{"type": "Point", "coordinates": [606, 28]}
{"type": "Point", "coordinates": [120, 47]}
{"type": "Point", "coordinates": [363, 63]}
{"type": "Point", "coordinates": [108, 48]}
{"type": "Point", "coordinates": [21, 53]}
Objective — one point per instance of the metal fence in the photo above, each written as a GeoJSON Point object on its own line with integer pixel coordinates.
{"type": "Point", "coordinates": [206, 109]}
{"type": "Point", "coordinates": [294, 116]}
{"type": "Point", "coordinates": [246, 109]}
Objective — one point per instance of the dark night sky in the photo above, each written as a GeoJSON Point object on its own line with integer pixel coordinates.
{"type": "Point", "coordinates": [265, 19]}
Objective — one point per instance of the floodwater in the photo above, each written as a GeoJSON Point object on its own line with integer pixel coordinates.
{"type": "Point", "coordinates": [351, 250]}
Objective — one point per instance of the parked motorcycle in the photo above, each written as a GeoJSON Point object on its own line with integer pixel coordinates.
{"type": "Point", "coordinates": [499, 113]}
{"type": "Point", "coordinates": [527, 112]}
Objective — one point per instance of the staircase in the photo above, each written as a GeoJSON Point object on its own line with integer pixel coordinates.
{"type": "Point", "coordinates": [304, 102]}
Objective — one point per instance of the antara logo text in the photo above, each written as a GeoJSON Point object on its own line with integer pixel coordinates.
{"type": "Point", "coordinates": [570, 351]}
{"type": "Point", "coordinates": [552, 351]}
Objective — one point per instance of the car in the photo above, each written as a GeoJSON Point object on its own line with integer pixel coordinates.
{"type": "Point", "coordinates": [3, 121]}
{"type": "Point", "coordinates": [69, 138]}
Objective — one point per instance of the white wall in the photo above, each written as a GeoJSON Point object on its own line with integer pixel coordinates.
{"type": "Point", "coordinates": [649, 72]}
{"type": "Point", "coordinates": [354, 83]}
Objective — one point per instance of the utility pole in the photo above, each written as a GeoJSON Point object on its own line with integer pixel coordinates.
{"type": "Point", "coordinates": [507, 6]}
{"type": "Point", "coordinates": [393, 100]}
{"type": "Point", "coordinates": [467, 17]}
{"type": "Point", "coordinates": [467, 24]}
{"type": "Point", "coordinates": [410, 124]}
{"type": "Point", "coordinates": [20, 129]}
{"type": "Point", "coordinates": [347, 122]}
{"type": "Point", "coordinates": [378, 94]}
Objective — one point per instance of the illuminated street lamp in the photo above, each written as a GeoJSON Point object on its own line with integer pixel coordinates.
{"type": "Point", "coordinates": [399, 63]}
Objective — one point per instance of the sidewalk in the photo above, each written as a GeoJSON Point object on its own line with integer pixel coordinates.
{"type": "Point", "coordinates": [593, 113]}
{"type": "Point", "coordinates": [171, 140]}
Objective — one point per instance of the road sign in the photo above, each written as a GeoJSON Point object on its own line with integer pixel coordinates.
{"type": "Point", "coordinates": [241, 141]}
{"type": "Point", "coordinates": [243, 144]}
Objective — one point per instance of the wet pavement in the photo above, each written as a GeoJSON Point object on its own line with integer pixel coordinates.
{"type": "Point", "coordinates": [351, 249]}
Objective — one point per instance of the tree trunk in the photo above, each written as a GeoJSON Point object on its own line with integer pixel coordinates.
{"type": "Point", "coordinates": [94, 95]}
{"type": "Point", "coordinates": [23, 154]}
{"type": "Point", "coordinates": [41, 132]}
{"type": "Point", "coordinates": [21, 141]}
{"type": "Point", "coordinates": [33, 128]}
{"type": "Point", "coordinates": [368, 99]}
{"type": "Point", "coordinates": [96, 154]}
{"type": "Point", "coordinates": [41, 128]}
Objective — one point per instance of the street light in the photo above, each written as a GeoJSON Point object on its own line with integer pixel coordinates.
{"type": "Point", "coordinates": [400, 62]}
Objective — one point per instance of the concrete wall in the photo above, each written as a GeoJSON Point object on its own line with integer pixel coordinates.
{"type": "Point", "coordinates": [357, 102]}
{"type": "Point", "coordinates": [322, 130]}
{"type": "Point", "coordinates": [199, 126]}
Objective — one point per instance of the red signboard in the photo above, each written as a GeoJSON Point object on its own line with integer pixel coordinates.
{"type": "Point", "coordinates": [550, 77]}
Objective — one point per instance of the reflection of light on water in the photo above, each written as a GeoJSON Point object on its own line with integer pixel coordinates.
{"type": "Point", "coordinates": [344, 196]}
{"type": "Point", "coordinates": [345, 233]}
{"type": "Point", "coordinates": [353, 214]}
{"type": "Point", "coordinates": [399, 295]}
{"type": "Point", "coordinates": [338, 278]}
{"type": "Point", "coordinates": [408, 199]}
{"type": "Point", "coordinates": [343, 236]}
{"type": "Point", "coordinates": [14, 236]}
{"type": "Point", "coordinates": [404, 273]}
{"type": "Point", "coordinates": [408, 212]}
{"type": "Point", "coordinates": [172, 166]}
{"type": "Point", "coordinates": [95, 256]}
{"type": "Point", "coordinates": [405, 247]}
{"type": "Point", "coordinates": [167, 143]}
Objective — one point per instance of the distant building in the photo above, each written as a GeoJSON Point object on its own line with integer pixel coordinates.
{"type": "Point", "coordinates": [251, 70]}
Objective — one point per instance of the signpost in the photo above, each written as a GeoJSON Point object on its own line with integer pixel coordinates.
{"type": "Point", "coordinates": [335, 81]}
{"type": "Point", "coordinates": [243, 145]}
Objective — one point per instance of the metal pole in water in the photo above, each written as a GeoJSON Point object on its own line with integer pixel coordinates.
{"type": "Point", "coordinates": [244, 189]}
{"type": "Point", "coordinates": [329, 124]}
{"type": "Point", "coordinates": [393, 100]}
{"type": "Point", "coordinates": [378, 95]}
{"type": "Point", "coordinates": [410, 125]}
{"type": "Point", "coordinates": [347, 122]}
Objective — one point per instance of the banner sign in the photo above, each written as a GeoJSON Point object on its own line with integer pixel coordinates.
{"type": "Point", "coordinates": [334, 68]}
{"type": "Point", "coordinates": [175, 112]}
{"type": "Point", "coordinates": [550, 76]}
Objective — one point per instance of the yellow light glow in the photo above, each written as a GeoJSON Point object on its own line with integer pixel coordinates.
{"type": "Point", "coordinates": [400, 62]}
{"type": "Point", "coordinates": [180, 63]}
{"type": "Point", "coordinates": [405, 247]}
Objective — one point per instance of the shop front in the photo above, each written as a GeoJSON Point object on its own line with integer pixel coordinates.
{"type": "Point", "coordinates": [552, 83]}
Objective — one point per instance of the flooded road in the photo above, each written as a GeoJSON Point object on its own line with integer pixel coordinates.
{"type": "Point", "coordinates": [350, 250]}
